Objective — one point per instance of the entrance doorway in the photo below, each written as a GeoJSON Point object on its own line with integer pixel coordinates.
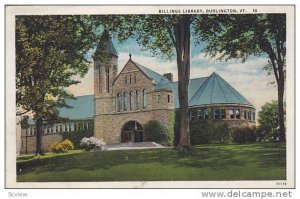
{"type": "Point", "coordinates": [132, 132]}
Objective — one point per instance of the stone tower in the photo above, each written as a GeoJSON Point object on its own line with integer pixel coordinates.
{"type": "Point", "coordinates": [105, 72]}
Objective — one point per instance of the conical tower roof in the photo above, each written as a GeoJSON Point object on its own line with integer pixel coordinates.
{"type": "Point", "coordinates": [215, 90]}
{"type": "Point", "coordinates": [105, 45]}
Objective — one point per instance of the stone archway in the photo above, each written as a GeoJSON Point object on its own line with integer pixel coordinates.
{"type": "Point", "coordinates": [132, 131]}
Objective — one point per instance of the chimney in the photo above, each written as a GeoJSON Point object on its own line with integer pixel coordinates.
{"type": "Point", "coordinates": [169, 76]}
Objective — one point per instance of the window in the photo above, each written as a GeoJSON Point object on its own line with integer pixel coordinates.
{"type": "Point", "coordinates": [168, 98]}
{"type": "Point", "coordinates": [223, 113]}
{"type": "Point", "coordinates": [245, 114]}
{"type": "Point", "coordinates": [66, 127]}
{"type": "Point", "coordinates": [192, 116]}
{"type": "Point", "coordinates": [48, 129]}
{"type": "Point", "coordinates": [231, 112]}
{"type": "Point", "coordinates": [86, 125]}
{"type": "Point", "coordinates": [134, 78]}
{"type": "Point", "coordinates": [249, 115]}
{"type": "Point", "coordinates": [137, 101]}
{"type": "Point", "coordinates": [206, 112]}
{"type": "Point", "coordinates": [130, 79]}
{"type": "Point", "coordinates": [28, 131]}
{"type": "Point", "coordinates": [237, 114]}
{"type": "Point", "coordinates": [130, 101]}
{"type": "Point", "coordinates": [253, 116]}
{"type": "Point", "coordinates": [56, 128]}
{"type": "Point", "coordinates": [107, 79]}
{"type": "Point", "coordinates": [157, 98]}
{"type": "Point", "coordinates": [200, 114]}
{"type": "Point", "coordinates": [217, 114]}
{"type": "Point", "coordinates": [124, 102]}
{"type": "Point", "coordinates": [71, 127]}
{"type": "Point", "coordinates": [144, 96]}
{"type": "Point", "coordinates": [118, 102]}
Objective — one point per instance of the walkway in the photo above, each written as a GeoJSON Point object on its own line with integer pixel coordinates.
{"type": "Point", "coordinates": [133, 145]}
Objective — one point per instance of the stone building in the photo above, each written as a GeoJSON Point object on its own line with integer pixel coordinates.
{"type": "Point", "coordinates": [123, 102]}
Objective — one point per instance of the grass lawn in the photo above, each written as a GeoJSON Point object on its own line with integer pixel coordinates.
{"type": "Point", "coordinates": [205, 162]}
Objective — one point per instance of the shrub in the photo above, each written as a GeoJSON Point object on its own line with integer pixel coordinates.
{"type": "Point", "coordinates": [208, 132]}
{"type": "Point", "coordinates": [62, 147]}
{"type": "Point", "coordinates": [92, 143]}
{"type": "Point", "coordinates": [244, 134]}
{"type": "Point", "coordinates": [156, 132]}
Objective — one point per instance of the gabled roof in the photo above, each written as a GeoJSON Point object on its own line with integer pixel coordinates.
{"type": "Point", "coordinates": [158, 78]}
{"type": "Point", "coordinates": [215, 90]}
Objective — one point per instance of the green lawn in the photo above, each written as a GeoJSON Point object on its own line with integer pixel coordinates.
{"type": "Point", "coordinates": [206, 162]}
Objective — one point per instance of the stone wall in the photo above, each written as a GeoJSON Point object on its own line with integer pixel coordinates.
{"type": "Point", "coordinates": [109, 127]}
{"type": "Point", "coordinates": [28, 143]}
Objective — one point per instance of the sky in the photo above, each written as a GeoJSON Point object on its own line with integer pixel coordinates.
{"type": "Point", "coordinates": [249, 78]}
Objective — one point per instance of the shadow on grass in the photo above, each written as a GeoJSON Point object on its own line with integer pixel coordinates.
{"type": "Point", "coordinates": [214, 157]}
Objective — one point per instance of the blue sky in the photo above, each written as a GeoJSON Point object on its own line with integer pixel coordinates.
{"type": "Point", "coordinates": [248, 78]}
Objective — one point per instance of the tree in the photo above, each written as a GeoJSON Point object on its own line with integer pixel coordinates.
{"type": "Point", "coordinates": [50, 50]}
{"type": "Point", "coordinates": [268, 121]}
{"type": "Point", "coordinates": [239, 36]}
{"type": "Point", "coordinates": [165, 35]}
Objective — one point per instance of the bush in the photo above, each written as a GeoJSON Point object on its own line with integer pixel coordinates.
{"type": "Point", "coordinates": [156, 132]}
{"type": "Point", "coordinates": [208, 132]}
{"type": "Point", "coordinates": [244, 135]}
{"type": "Point", "coordinates": [62, 147]}
{"type": "Point", "coordinates": [92, 143]}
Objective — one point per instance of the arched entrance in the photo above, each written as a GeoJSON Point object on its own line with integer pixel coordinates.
{"type": "Point", "coordinates": [132, 131]}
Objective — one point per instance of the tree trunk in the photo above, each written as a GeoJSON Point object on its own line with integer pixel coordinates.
{"type": "Point", "coordinates": [39, 136]}
{"type": "Point", "coordinates": [182, 38]}
{"type": "Point", "coordinates": [280, 85]}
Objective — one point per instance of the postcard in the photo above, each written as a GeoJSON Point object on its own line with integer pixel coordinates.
{"type": "Point", "coordinates": [177, 96]}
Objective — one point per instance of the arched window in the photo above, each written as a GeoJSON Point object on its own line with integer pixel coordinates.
{"type": "Point", "coordinates": [144, 96]}
{"type": "Point", "coordinates": [124, 101]}
{"type": "Point", "coordinates": [107, 79]}
{"type": "Point", "coordinates": [130, 79]}
{"type": "Point", "coordinates": [118, 102]}
{"type": "Point", "coordinates": [137, 101]}
{"type": "Point", "coordinates": [130, 101]}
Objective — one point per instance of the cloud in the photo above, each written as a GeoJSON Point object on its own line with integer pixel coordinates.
{"type": "Point", "coordinates": [86, 87]}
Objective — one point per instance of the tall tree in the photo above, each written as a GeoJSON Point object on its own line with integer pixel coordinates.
{"type": "Point", "coordinates": [50, 50]}
{"type": "Point", "coordinates": [239, 36]}
{"type": "Point", "coordinates": [166, 36]}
